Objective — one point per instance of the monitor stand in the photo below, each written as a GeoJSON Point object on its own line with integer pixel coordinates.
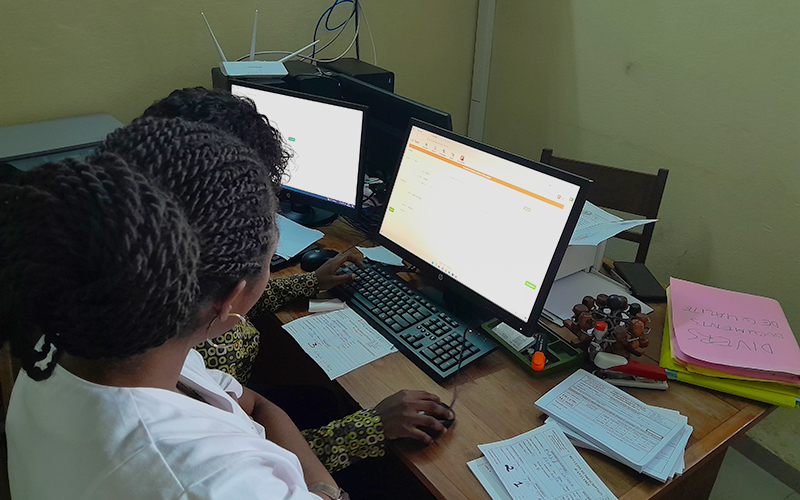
{"type": "Point", "coordinates": [306, 214]}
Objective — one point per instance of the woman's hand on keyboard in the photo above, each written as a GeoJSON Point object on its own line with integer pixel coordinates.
{"type": "Point", "coordinates": [412, 414]}
{"type": "Point", "coordinates": [326, 274]}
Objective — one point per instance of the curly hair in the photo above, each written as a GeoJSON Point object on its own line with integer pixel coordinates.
{"type": "Point", "coordinates": [233, 114]}
{"type": "Point", "coordinates": [111, 257]}
{"type": "Point", "coordinates": [94, 258]}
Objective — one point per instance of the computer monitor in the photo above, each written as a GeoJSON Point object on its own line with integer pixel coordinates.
{"type": "Point", "coordinates": [491, 226]}
{"type": "Point", "coordinates": [325, 176]}
{"type": "Point", "coordinates": [387, 123]}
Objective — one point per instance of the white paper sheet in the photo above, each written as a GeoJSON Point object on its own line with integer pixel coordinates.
{"type": "Point", "coordinates": [294, 237]}
{"type": "Point", "coordinates": [324, 305]}
{"type": "Point", "coordinates": [631, 431]}
{"type": "Point", "coordinates": [571, 290]}
{"type": "Point", "coordinates": [667, 464]}
{"type": "Point", "coordinates": [381, 254]}
{"type": "Point", "coordinates": [488, 479]}
{"type": "Point", "coordinates": [595, 226]}
{"type": "Point", "coordinates": [542, 464]}
{"type": "Point", "coordinates": [339, 341]}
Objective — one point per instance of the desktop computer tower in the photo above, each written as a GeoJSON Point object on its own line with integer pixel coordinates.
{"type": "Point", "coordinates": [363, 71]}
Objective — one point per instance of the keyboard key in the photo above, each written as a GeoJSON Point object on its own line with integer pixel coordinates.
{"type": "Point", "coordinates": [448, 364]}
{"type": "Point", "coordinates": [400, 321]}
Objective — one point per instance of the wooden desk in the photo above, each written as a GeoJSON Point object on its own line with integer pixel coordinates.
{"type": "Point", "coordinates": [496, 401]}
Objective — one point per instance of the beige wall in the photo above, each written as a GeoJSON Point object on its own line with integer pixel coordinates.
{"type": "Point", "coordinates": [709, 90]}
{"type": "Point", "coordinates": [110, 56]}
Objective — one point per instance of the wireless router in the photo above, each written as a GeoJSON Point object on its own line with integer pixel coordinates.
{"type": "Point", "coordinates": [251, 67]}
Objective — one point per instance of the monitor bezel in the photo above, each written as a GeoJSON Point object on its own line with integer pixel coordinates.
{"type": "Point", "coordinates": [526, 328]}
{"type": "Point", "coordinates": [293, 195]}
{"type": "Point", "coordinates": [376, 99]}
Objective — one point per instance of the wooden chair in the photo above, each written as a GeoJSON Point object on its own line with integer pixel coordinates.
{"type": "Point", "coordinates": [631, 192]}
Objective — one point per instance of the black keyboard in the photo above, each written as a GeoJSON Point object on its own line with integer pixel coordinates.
{"type": "Point", "coordinates": [416, 324]}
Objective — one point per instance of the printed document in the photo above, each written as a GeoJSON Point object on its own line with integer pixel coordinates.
{"type": "Point", "coordinates": [339, 341]}
{"type": "Point", "coordinates": [609, 418]}
{"type": "Point", "coordinates": [595, 226]}
{"type": "Point", "coordinates": [541, 465]}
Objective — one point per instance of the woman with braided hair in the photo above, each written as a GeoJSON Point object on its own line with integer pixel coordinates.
{"type": "Point", "coordinates": [239, 116]}
{"type": "Point", "coordinates": [106, 283]}
{"type": "Point", "coordinates": [341, 442]}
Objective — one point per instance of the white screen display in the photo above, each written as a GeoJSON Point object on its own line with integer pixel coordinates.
{"type": "Point", "coordinates": [325, 139]}
{"type": "Point", "coordinates": [489, 223]}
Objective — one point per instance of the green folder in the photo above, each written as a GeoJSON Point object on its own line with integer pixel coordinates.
{"type": "Point", "coordinates": [767, 392]}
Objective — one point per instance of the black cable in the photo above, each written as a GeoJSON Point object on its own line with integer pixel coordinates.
{"type": "Point", "coordinates": [358, 52]}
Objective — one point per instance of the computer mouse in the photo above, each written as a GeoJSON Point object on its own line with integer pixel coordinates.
{"type": "Point", "coordinates": [311, 260]}
{"type": "Point", "coordinates": [447, 423]}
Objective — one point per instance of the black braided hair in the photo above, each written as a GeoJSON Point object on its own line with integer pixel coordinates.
{"type": "Point", "coordinates": [97, 260]}
{"type": "Point", "coordinates": [222, 186]}
{"type": "Point", "coordinates": [237, 115]}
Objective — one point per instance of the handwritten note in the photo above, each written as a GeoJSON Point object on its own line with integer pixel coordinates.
{"type": "Point", "coordinates": [733, 329]}
{"type": "Point", "coordinates": [339, 341]}
{"type": "Point", "coordinates": [542, 465]}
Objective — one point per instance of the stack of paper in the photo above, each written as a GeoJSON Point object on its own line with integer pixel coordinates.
{"type": "Point", "coordinates": [539, 464]}
{"type": "Point", "coordinates": [732, 342]}
{"type": "Point", "coordinates": [600, 416]}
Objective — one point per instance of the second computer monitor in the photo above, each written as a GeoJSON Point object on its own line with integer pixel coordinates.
{"type": "Point", "coordinates": [492, 226]}
{"type": "Point", "coordinates": [387, 123]}
{"type": "Point", "coordinates": [325, 137]}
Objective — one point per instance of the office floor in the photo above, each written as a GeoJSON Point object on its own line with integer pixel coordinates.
{"type": "Point", "coordinates": [741, 479]}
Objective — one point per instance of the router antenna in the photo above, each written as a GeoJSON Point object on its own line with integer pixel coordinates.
{"type": "Point", "coordinates": [284, 59]}
{"type": "Point", "coordinates": [221, 54]}
{"type": "Point", "coordinates": [253, 43]}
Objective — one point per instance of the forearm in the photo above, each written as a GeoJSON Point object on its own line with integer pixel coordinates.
{"type": "Point", "coordinates": [281, 430]}
{"type": "Point", "coordinates": [346, 441]}
{"type": "Point", "coordinates": [284, 290]}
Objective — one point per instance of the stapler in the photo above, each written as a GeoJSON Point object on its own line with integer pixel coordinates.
{"type": "Point", "coordinates": [617, 370]}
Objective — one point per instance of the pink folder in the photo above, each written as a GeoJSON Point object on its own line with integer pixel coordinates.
{"type": "Point", "coordinates": [731, 332]}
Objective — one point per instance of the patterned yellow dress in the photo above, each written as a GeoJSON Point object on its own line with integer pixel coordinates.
{"type": "Point", "coordinates": [337, 444]}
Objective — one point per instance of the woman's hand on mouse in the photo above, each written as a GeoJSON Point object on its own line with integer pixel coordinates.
{"type": "Point", "coordinates": [405, 414]}
{"type": "Point", "coordinates": [326, 274]}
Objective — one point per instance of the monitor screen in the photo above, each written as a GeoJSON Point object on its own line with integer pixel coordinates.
{"type": "Point", "coordinates": [387, 123]}
{"type": "Point", "coordinates": [489, 224]}
{"type": "Point", "coordinates": [325, 137]}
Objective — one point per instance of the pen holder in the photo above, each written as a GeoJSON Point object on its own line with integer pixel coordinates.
{"type": "Point", "coordinates": [560, 354]}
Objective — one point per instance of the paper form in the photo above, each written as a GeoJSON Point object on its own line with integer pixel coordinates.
{"type": "Point", "coordinates": [488, 479]}
{"type": "Point", "coordinates": [294, 237]}
{"type": "Point", "coordinates": [610, 418]}
{"type": "Point", "coordinates": [542, 464]}
{"type": "Point", "coordinates": [667, 463]}
{"type": "Point", "coordinates": [339, 341]}
{"type": "Point", "coordinates": [595, 226]}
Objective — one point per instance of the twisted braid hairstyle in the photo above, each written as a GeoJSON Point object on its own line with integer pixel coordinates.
{"type": "Point", "coordinates": [233, 114]}
{"type": "Point", "coordinates": [221, 185]}
{"type": "Point", "coordinates": [96, 260]}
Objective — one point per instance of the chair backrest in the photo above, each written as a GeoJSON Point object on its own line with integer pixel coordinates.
{"type": "Point", "coordinates": [631, 192]}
